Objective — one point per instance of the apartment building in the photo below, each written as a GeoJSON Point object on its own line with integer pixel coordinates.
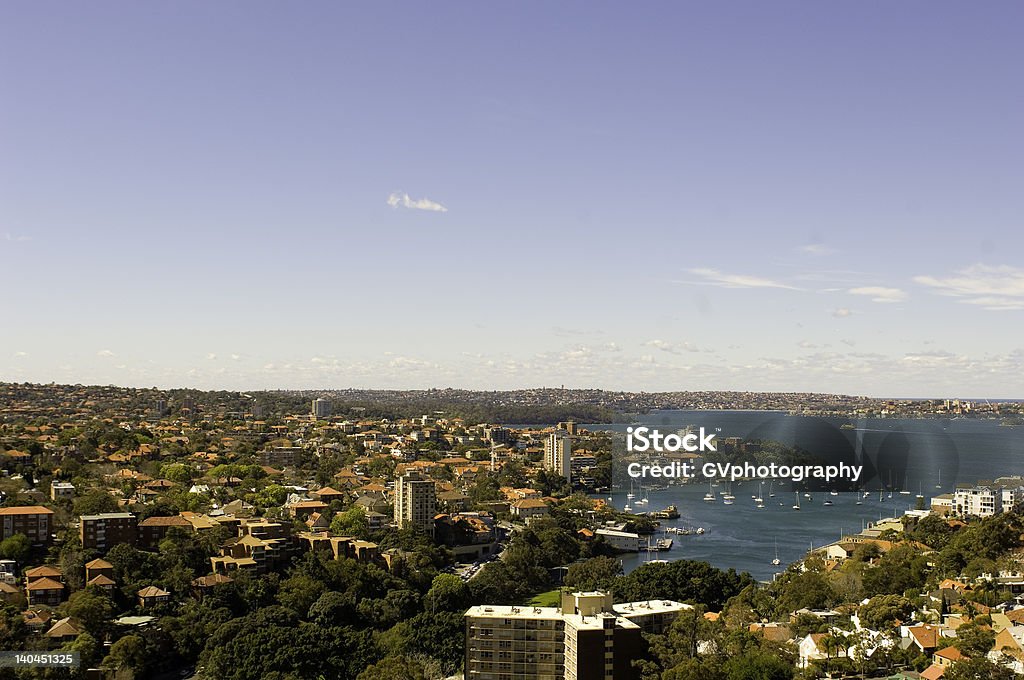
{"type": "Point", "coordinates": [415, 502]}
{"type": "Point", "coordinates": [102, 532]}
{"type": "Point", "coordinates": [977, 501]}
{"type": "Point", "coordinates": [61, 490]}
{"type": "Point", "coordinates": [586, 638]}
{"type": "Point", "coordinates": [558, 454]}
{"type": "Point", "coordinates": [152, 530]}
{"type": "Point", "coordinates": [33, 521]}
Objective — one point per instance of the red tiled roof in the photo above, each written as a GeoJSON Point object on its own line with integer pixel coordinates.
{"type": "Point", "coordinates": [26, 510]}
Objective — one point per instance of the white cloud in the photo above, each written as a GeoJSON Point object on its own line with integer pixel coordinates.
{"type": "Point", "coordinates": [105, 353]}
{"type": "Point", "coordinates": [402, 199]}
{"type": "Point", "coordinates": [880, 293]}
{"type": "Point", "coordinates": [717, 278]}
{"type": "Point", "coordinates": [817, 249]}
{"type": "Point", "coordinates": [211, 356]}
{"type": "Point", "coordinates": [670, 347]}
{"type": "Point", "coordinates": [841, 313]}
{"type": "Point", "coordinates": [21, 355]}
{"type": "Point", "coordinates": [997, 288]}
{"type": "Point", "coordinates": [8, 236]}
{"type": "Point", "coordinates": [236, 357]}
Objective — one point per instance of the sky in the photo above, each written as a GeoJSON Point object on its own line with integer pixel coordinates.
{"type": "Point", "coordinates": [785, 196]}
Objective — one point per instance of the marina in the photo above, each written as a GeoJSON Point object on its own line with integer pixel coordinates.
{"type": "Point", "coordinates": [749, 536]}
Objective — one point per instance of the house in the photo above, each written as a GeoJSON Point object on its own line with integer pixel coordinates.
{"type": "Point", "coordinates": [529, 507]}
{"type": "Point", "coordinates": [8, 571]}
{"type": "Point", "coordinates": [947, 656]}
{"type": "Point", "coordinates": [65, 630]}
{"type": "Point", "coordinates": [102, 582]}
{"type": "Point", "coordinates": [303, 509]}
{"type": "Point", "coordinates": [776, 632]}
{"type": "Point", "coordinates": [375, 521]}
{"type": "Point", "coordinates": [98, 567]}
{"type": "Point", "coordinates": [623, 541]}
{"type": "Point", "coordinates": [923, 636]}
{"type": "Point", "coordinates": [327, 495]}
{"type": "Point", "coordinates": [202, 585]}
{"type": "Point", "coordinates": [36, 619]}
{"type": "Point", "coordinates": [318, 521]}
{"type": "Point", "coordinates": [44, 591]}
{"type": "Point", "coordinates": [819, 647]}
{"type": "Point", "coordinates": [9, 593]}
{"type": "Point", "coordinates": [151, 596]}
{"type": "Point", "coordinates": [45, 571]}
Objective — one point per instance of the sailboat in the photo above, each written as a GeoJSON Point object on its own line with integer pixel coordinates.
{"type": "Point", "coordinates": [776, 562]}
{"type": "Point", "coordinates": [758, 498]}
{"type": "Point", "coordinates": [630, 495]}
{"type": "Point", "coordinates": [710, 495]}
{"type": "Point", "coordinates": [797, 506]}
{"type": "Point", "coordinates": [728, 498]}
{"type": "Point", "coordinates": [771, 494]}
{"type": "Point", "coordinates": [938, 485]}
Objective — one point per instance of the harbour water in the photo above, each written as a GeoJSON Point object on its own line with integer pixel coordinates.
{"type": "Point", "coordinates": [926, 456]}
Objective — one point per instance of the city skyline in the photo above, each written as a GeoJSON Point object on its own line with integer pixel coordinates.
{"type": "Point", "coordinates": [674, 197]}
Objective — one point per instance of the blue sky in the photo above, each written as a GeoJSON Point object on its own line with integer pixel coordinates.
{"type": "Point", "coordinates": [764, 196]}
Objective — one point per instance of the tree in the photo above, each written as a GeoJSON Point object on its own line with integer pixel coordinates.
{"type": "Point", "coordinates": [128, 653]}
{"type": "Point", "coordinates": [176, 472]}
{"type": "Point", "coordinates": [978, 669]}
{"type": "Point", "coordinates": [95, 502]}
{"type": "Point", "coordinates": [352, 522]}
{"type": "Point", "coordinates": [447, 592]}
{"type": "Point", "coordinates": [597, 573]}
{"type": "Point", "coordinates": [974, 640]}
{"type": "Point", "coordinates": [758, 665]}
{"type": "Point", "coordinates": [402, 668]}
{"type": "Point", "coordinates": [682, 580]}
{"type": "Point", "coordinates": [885, 611]}
{"type": "Point", "coordinates": [92, 608]}
{"type": "Point", "coordinates": [87, 647]}
{"type": "Point", "coordinates": [16, 547]}
{"type": "Point", "coordinates": [439, 636]}
{"type": "Point", "coordinates": [271, 496]}
{"type": "Point", "coordinates": [299, 591]}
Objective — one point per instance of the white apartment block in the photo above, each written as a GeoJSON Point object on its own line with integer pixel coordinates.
{"type": "Point", "coordinates": [558, 454]}
{"type": "Point", "coordinates": [977, 501]}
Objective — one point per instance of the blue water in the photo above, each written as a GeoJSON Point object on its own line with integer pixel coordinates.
{"type": "Point", "coordinates": [912, 454]}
